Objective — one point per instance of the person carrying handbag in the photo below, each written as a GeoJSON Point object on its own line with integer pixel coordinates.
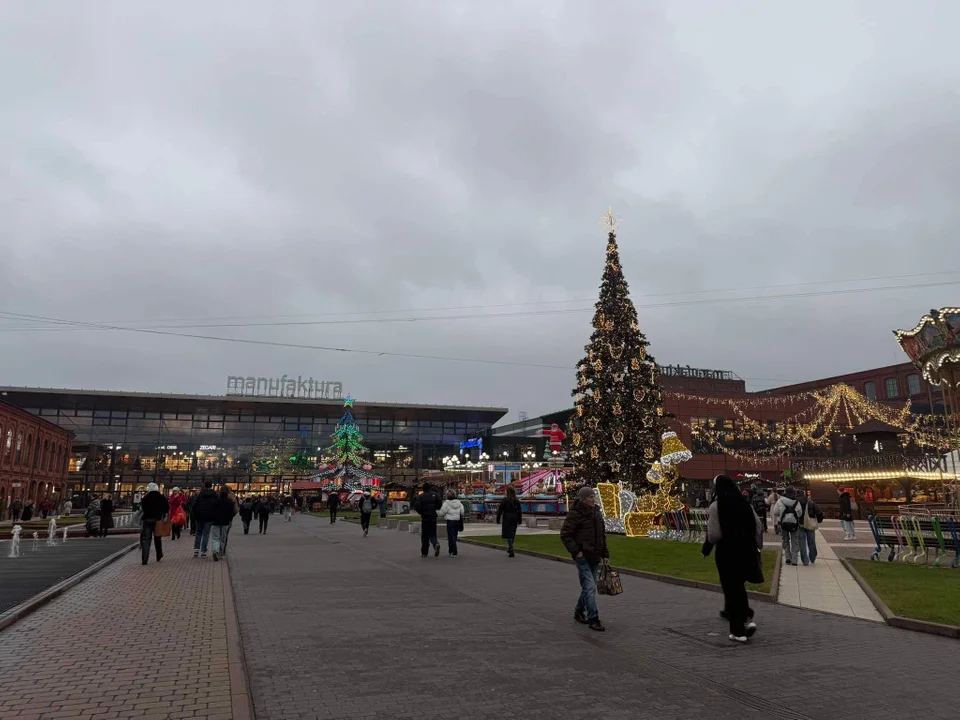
{"type": "Point", "coordinates": [154, 508]}
{"type": "Point", "coordinates": [452, 512]}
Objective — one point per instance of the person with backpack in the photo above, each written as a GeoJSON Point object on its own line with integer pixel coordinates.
{"type": "Point", "coordinates": [786, 513]}
{"type": "Point", "coordinates": [366, 506]}
{"type": "Point", "coordinates": [759, 503]}
{"type": "Point", "coordinates": [810, 518]}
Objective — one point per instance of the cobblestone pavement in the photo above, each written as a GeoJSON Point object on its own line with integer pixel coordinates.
{"type": "Point", "coordinates": [335, 625]}
{"type": "Point", "coordinates": [129, 642]}
{"type": "Point", "coordinates": [36, 570]}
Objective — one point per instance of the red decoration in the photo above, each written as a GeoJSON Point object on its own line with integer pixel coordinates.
{"type": "Point", "coordinates": [557, 436]}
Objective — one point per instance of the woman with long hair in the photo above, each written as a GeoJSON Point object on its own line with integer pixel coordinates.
{"type": "Point", "coordinates": [734, 528]}
{"type": "Point", "coordinates": [510, 516]}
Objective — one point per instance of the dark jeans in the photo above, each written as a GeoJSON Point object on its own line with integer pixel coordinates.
{"type": "Point", "coordinates": [587, 603]}
{"type": "Point", "coordinates": [365, 520]}
{"type": "Point", "coordinates": [264, 519]}
{"type": "Point", "coordinates": [16, 515]}
{"type": "Point", "coordinates": [175, 532]}
{"type": "Point", "coordinates": [202, 537]}
{"type": "Point", "coordinates": [246, 527]}
{"type": "Point", "coordinates": [735, 598]}
{"type": "Point", "coordinates": [510, 544]}
{"type": "Point", "coordinates": [383, 514]}
{"type": "Point", "coordinates": [428, 534]}
{"type": "Point", "coordinates": [146, 532]}
{"type": "Point", "coordinates": [43, 513]}
{"type": "Point", "coordinates": [453, 527]}
{"type": "Point", "coordinates": [333, 514]}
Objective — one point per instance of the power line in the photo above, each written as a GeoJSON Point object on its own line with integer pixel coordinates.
{"type": "Point", "coordinates": [482, 316]}
{"type": "Point", "coordinates": [527, 304]}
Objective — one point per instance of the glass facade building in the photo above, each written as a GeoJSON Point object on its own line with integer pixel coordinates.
{"type": "Point", "coordinates": [122, 441]}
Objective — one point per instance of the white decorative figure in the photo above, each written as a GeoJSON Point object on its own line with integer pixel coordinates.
{"type": "Point", "coordinates": [15, 542]}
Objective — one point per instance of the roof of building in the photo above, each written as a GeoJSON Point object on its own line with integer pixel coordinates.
{"type": "Point", "coordinates": [875, 426]}
{"type": "Point", "coordinates": [28, 396]}
{"type": "Point", "coordinates": [53, 427]}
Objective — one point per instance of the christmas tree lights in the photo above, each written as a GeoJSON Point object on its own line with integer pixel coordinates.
{"type": "Point", "coordinates": [618, 418]}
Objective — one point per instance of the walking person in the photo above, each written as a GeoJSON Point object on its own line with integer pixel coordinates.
{"type": "Point", "coordinates": [366, 510]}
{"type": "Point", "coordinates": [759, 503]}
{"type": "Point", "coordinates": [203, 518]}
{"type": "Point", "coordinates": [190, 503]}
{"type": "Point", "coordinates": [734, 529]}
{"type": "Point", "coordinates": [246, 514]}
{"type": "Point", "coordinates": [16, 507]}
{"type": "Point", "coordinates": [452, 512]}
{"type": "Point", "coordinates": [92, 517]}
{"type": "Point", "coordinates": [333, 504]}
{"type": "Point", "coordinates": [846, 514]}
{"type": "Point", "coordinates": [178, 512]}
{"type": "Point", "coordinates": [106, 514]}
{"type": "Point", "coordinates": [509, 516]}
{"type": "Point", "coordinates": [584, 537]}
{"type": "Point", "coordinates": [382, 504]}
{"type": "Point", "coordinates": [67, 507]}
{"type": "Point", "coordinates": [27, 514]}
{"type": "Point", "coordinates": [288, 508]}
{"type": "Point", "coordinates": [220, 517]}
{"type": "Point", "coordinates": [772, 499]}
{"type": "Point", "coordinates": [262, 511]}
{"type": "Point", "coordinates": [236, 511]}
{"type": "Point", "coordinates": [427, 504]}
{"type": "Point", "coordinates": [154, 507]}
{"type": "Point", "coordinates": [46, 505]}
{"type": "Point", "coordinates": [787, 514]}
{"type": "Point", "coordinates": [811, 517]}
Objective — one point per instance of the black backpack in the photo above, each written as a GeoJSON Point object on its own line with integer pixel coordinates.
{"type": "Point", "coordinates": [795, 513]}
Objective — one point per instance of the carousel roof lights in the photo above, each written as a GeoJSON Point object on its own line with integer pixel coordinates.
{"type": "Point", "coordinates": [841, 477]}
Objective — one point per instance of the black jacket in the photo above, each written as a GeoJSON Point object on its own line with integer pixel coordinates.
{"type": "Point", "coordinates": [222, 512]}
{"type": "Point", "coordinates": [846, 507]}
{"type": "Point", "coordinates": [511, 515]}
{"type": "Point", "coordinates": [246, 510]}
{"type": "Point", "coordinates": [759, 503]}
{"type": "Point", "coordinates": [333, 500]}
{"type": "Point", "coordinates": [203, 506]}
{"type": "Point", "coordinates": [583, 532]}
{"type": "Point", "coordinates": [154, 506]}
{"type": "Point", "coordinates": [427, 504]}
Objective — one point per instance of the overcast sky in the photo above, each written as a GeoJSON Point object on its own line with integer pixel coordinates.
{"type": "Point", "coordinates": [164, 163]}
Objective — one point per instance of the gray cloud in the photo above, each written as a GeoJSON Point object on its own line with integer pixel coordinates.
{"type": "Point", "coordinates": [178, 160]}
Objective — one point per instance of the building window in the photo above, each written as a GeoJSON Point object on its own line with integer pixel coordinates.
{"type": "Point", "coordinates": [870, 390]}
{"type": "Point", "coordinates": [892, 389]}
{"type": "Point", "coordinates": [19, 452]}
{"type": "Point", "coordinates": [913, 384]}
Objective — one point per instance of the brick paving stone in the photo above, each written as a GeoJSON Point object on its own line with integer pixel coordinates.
{"type": "Point", "coordinates": [339, 626]}
{"type": "Point", "coordinates": [129, 642]}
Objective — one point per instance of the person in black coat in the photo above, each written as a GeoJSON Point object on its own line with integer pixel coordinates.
{"type": "Point", "coordinates": [846, 514]}
{"type": "Point", "coordinates": [585, 538]}
{"type": "Point", "coordinates": [333, 504]}
{"type": "Point", "coordinates": [262, 510]}
{"type": "Point", "coordinates": [427, 504]}
{"type": "Point", "coordinates": [155, 508]}
{"type": "Point", "coordinates": [106, 515]}
{"type": "Point", "coordinates": [509, 515]}
{"type": "Point", "coordinates": [246, 514]}
{"type": "Point", "coordinates": [203, 518]}
{"type": "Point", "coordinates": [221, 515]}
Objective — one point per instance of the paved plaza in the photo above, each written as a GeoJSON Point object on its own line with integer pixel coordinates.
{"type": "Point", "coordinates": [334, 625]}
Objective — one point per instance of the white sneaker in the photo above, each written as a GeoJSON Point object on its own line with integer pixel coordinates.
{"type": "Point", "coordinates": [751, 629]}
{"type": "Point", "coordinates": [739, 639]}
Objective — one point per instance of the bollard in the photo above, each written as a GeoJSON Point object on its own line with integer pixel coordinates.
{"type": "Point", "coordinates": [15, 542]}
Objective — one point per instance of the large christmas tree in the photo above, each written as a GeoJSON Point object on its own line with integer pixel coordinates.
{"type": "Point", "coordinates": [347, 449]}
{"type": "Point", "coordinates": [618, 415]}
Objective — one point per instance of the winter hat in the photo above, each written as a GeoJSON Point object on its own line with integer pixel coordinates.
{"type": "Point", "coordinates": [152, 487]}
{"type": "Point", "coordinates": [585, 493]}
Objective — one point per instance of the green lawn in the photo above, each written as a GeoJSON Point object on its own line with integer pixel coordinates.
{"type": "Point", "coordinates": [922, 593]}
{"type": "Point", "coordinates": [677, 559]}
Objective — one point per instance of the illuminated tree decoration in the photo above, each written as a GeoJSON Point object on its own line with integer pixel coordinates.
{"type": "Point", "coordinates": [617, 394]}
{"type": "Point", "coordinates": [347, 449]}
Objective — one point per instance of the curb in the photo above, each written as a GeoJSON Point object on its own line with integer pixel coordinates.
{"type": "Point", "coordinates": [950, 631]}
{"type": "Point", "coordinates": [241, 701]}
{"type": "Point", "coordinates": [20, 611]}
{"type": "Point", "coordinates": [669, 579]}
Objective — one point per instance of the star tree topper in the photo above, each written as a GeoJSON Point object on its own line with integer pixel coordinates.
{"type": "Point", "coordinates": [348, 401]}
{"type": "Point", "coordinates": [610, 221]}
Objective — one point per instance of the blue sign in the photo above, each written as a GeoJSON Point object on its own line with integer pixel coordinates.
{"type": "Point", "coordinates": [471, 443]}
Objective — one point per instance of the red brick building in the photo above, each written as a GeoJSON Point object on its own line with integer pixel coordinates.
{"type": "Point", "coordinates": [34, 455]}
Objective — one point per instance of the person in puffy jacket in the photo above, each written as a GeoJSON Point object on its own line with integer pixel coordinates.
{"type": "Point", "coordinates": [846, 514]}
{"type": "Point", "coordinates": [787, 514]}
{"type": "Point", "coordinates": [509, 515]}
{"type": "Point", "coordinates": [246, 514]}
{"type": "Point", "coordinates": [366, 506]}
{"type": "Point", "coordinates": [585, 538]}
{"type": "Point", "coordinates": [178, 512]}
{"type": "Point", "coordinates": [203, 518]}
{"type": "Point", "coordinates": [427, 504]}
{"type": "Point", "coordinates": [452, 513]}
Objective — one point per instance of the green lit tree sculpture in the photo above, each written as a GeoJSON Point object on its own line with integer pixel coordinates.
{"type": "Point", "coordinates": [347, 449]}
{"type": "Point", "coordinates": [618, 415]}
